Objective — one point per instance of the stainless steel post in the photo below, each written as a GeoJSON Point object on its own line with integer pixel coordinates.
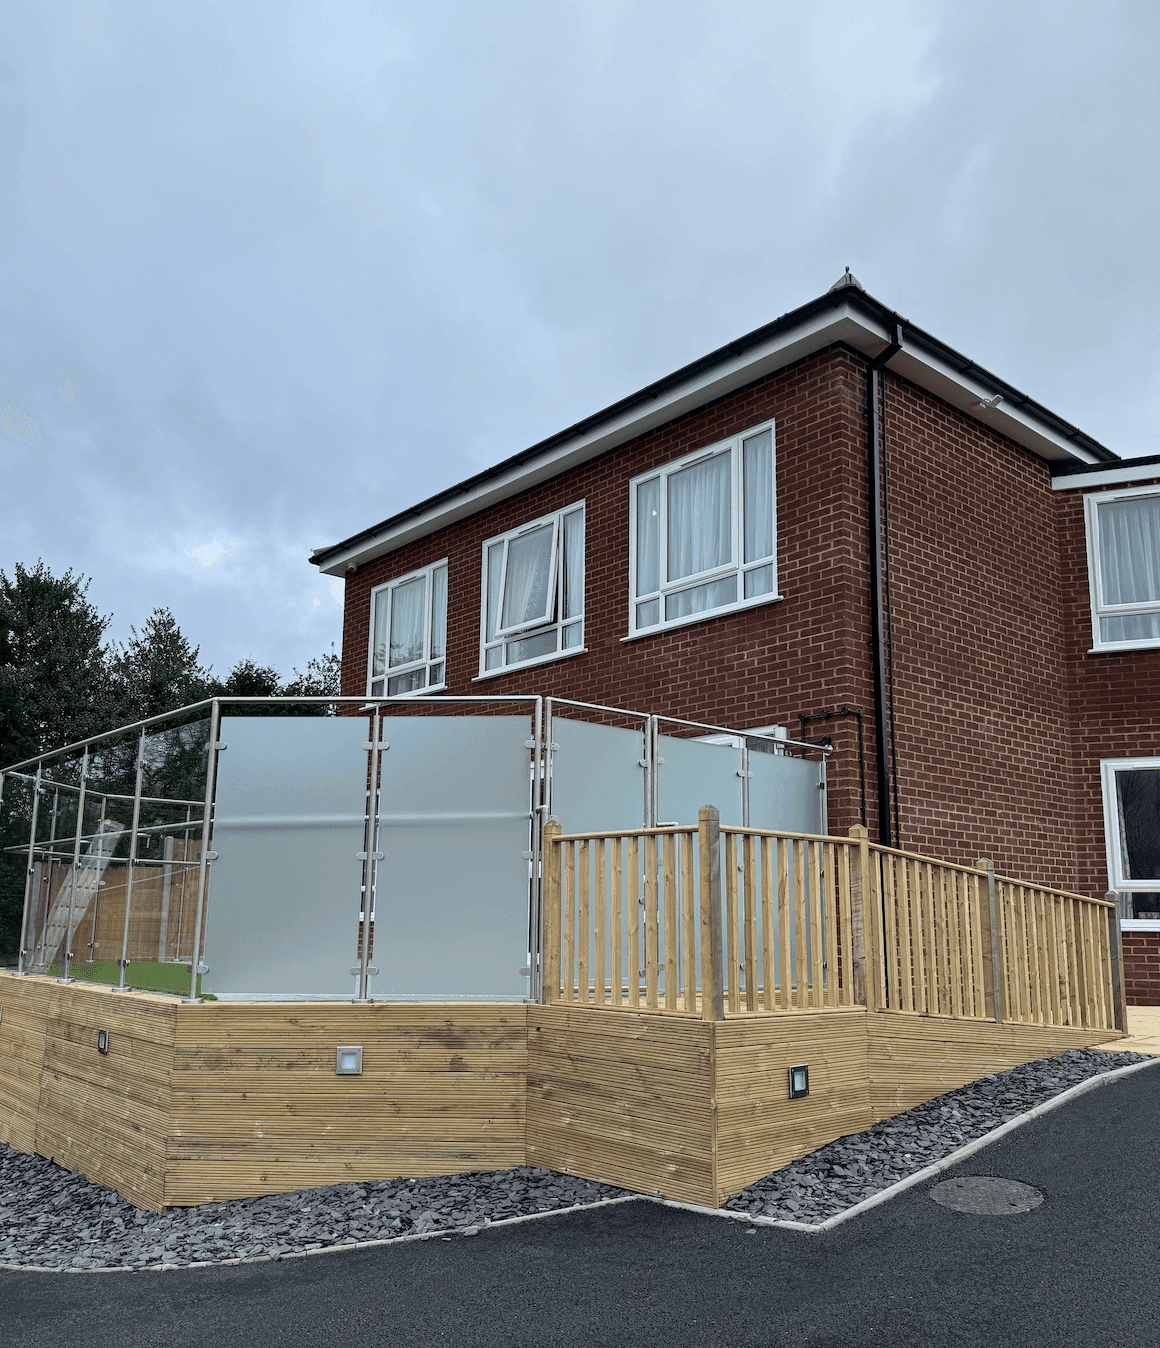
{"type": "Point", "coordinates": [42, 928]}
{"type": "Point", "coordinates": [92, 941]}
{"type": "Point", "coordinates": [72, 892]}
{"type": "Point", "coordinates": [215, 717]}
{"type": "Point", "coordinates": [373, 856]}
{"type": "Point", "coordinates": [539, 786]}
{"type": "Point", "coordinates": [745, 775]}
{"type": "Point", "coordinates": [20, 969]}
{"type": "Point", "coordinates": [124, 960]}
{"type": "Point", "coordinates": [181, 897]}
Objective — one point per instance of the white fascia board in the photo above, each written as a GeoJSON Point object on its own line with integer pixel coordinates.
{"type": "Point", "coordinates": [1109, 477]}
{"type": "Point", "coordinates": [842, 323]}
{"type": "Point", "coordinates": [958, 388]}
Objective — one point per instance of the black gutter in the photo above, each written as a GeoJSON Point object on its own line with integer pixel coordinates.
{"type": "Point", "coordinates": [877, 604]}
{"type": "Point", "coordinates": [851, 295]}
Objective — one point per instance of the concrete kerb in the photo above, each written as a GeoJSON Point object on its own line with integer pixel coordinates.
{"type": "Point", "coordinates": [807, 1228]}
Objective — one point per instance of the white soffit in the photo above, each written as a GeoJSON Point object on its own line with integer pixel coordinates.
{"type": "Point", "coordinates": [842, 323]}
{"type": "Point", "coordinates": [1108, 477]}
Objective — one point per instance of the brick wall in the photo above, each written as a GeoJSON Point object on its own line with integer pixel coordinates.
{"type": "Point", "coordinates": [1142, 967]}
{"type": "Point", "coordinates": [988, 664]}
{"type": "Point", "coordinates": [1114, 697]}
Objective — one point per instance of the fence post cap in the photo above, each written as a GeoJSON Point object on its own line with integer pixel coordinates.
{"type": "Point", "coordinates": [983, 863]}
{"type": "Point", "coordinates": [553, 822]}
{"type": "Point", "coordinates": [859, 831]}
{"type": "Point", "coordinates": [708, 812]}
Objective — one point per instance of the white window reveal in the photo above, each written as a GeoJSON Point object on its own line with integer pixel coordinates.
{"type": "Point", "coordinates": [533, 591]}
{"type": "Point", "coordinates": [1123, 530]}
{"type": "Point", "coordinates": [409, 633]}
{"type": "Point", "coordinates": [1132, 829]}
{"type": "Point", "coordinates": [703, 533]}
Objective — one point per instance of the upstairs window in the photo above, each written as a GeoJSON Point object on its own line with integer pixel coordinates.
{"type": "Point", "coordinates": [1124, 567]}
{"type": "Point", "coordinates": [703, 534]}
{"type": "Point", "coordinates": [409, 633]}
{"type": "Point", "coordinates": [533, 592]}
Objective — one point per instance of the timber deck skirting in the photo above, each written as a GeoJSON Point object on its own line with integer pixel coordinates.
{"type": "Point", "coordinates": [195, 1103]}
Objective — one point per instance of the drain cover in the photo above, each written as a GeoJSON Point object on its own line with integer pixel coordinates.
{"type": "Point", "coordinates": [985, 1194]}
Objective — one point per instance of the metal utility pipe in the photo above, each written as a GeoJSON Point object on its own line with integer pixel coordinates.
{"type": "Point", "coordinates": [877, 602]}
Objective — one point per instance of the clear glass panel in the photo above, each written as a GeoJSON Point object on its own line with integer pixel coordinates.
{"type": "Point", "coordinates": [377, 688]}
{"type": "Point", "coordinates": [408, 614]}
{"type": "Point", "coordinates": [574, 564]}
{"type": "Point", "coordinates": [1130, 550]}
{"type": "Point", "coordinates": [438, 613]}
{"type": "Point", "coordinates": [379, 655]}
{"type": "Point", "coordinates": [701, 598]}
{"type": "Point", "coordinates": [1138, 793]}
{"type": "Point", "coordinates": [493, 658]}
{"type": "Point", "coordinates": [1134, 627]}
{"type": "Point", "coordinates": [572, 637]}
{"type": "Point", "coordinates": [647, 615]}
{"type": "Point", "coordinates": [531, 648]}
{"type": "Point", "coordinates": [700, 533]}
{"type": "Point", "coordinates": [759, 497]}
{"type": "Point", "coordinates": [529, 566]}
{"type": "Point", "coordinates": [436, 675]}
{"type": "Point", "coordinates": [407, 683]}
{"type": "Point", "coordinates": [648, 536]}
{"type": "Point", "coordinates": [494, 575]}
{"type": "Point", "coordinates": [759, 581]}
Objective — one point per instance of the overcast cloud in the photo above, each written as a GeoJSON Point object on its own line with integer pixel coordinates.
{"type": "Point", "coordinates": [272, 272]}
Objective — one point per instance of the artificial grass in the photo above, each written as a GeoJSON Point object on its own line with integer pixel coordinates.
{"type": "Point", "coordinates": [145, 975]}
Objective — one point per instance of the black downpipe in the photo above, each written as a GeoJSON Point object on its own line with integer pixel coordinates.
{"type": "Point", "coordinates": [877, 605]}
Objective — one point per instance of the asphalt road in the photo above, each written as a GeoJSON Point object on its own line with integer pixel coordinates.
{"type": "Point", "coordinates": [1083, 1268]}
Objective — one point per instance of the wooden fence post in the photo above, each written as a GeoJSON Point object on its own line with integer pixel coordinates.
{"type": "Point", "coordinates": [712, 956]}
{"type": "Point", "coordinates": [859, 898]}
{"type": "Point", "coordinates": [989, 919]}
{"type": "Point", "coordinates": [550, 989]}
{"type": "Point", "coordinates": [1116, 948]}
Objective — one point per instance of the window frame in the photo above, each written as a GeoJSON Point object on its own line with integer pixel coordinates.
{"type": "Point", "coordinates": [1117, 879]}
{"type": "Point", "coordinates": [557, 577]}
{"type": "Point", "coordinates": [426, 662]}
{"type": "Point", "coordinates": [734, 445]}
{"type": "Point", "coordinates": [1099, 609]}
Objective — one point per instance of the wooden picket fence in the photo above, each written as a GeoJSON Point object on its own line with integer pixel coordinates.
{"type": "Point", "coordinates": [713, 921]}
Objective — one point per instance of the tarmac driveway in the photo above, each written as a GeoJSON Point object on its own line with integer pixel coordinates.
{"type": "Point", "coordinates": [1082, 1268]}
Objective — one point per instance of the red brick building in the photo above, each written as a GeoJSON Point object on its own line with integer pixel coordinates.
{"type": "Point", "coordinates": [837, 511]}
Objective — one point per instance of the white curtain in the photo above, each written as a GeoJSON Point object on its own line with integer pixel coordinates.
{"type": "Point", "coordinates": [648, 536]}
{"type": "Point", "coordinates": [382, 601]}
{"type": "Point", "coordinates": [529, 566]}
{"type": "Point", "coordinates": [408, 603]}
{"type": "Point", "coordinates": [1130, 565]}
{"type": "Point", "coordinates": [574, 564]}
{"type": "Point", "coordinates": [438, 613]}
{"type": "Point", "coordinates": [494, 576]}
{"type": "Point", "coordinates": [759, 496]}
{"type": "Point", "coordinates": [700, 531]}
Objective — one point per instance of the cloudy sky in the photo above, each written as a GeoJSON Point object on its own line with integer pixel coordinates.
{"type": "Point", "coordinates": [271, 272]}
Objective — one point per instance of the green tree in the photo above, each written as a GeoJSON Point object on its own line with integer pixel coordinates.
{"type": "Point", "coordinates": [156, 671]}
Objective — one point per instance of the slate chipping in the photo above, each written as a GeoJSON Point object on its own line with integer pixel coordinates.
{"type": "Point", "coordinates": [53, 1218]}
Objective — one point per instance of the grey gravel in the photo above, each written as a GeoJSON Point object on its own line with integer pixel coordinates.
{"type": "Point", "coordinates": [842, 1173]}
{"type": "Point", "coordinates": [53, 1218]}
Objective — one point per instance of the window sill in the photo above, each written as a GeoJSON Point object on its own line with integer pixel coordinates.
{"type": "Point", "coordinates": [531, 664]}
{"type": "Point", "coordinates": [408, 697]}
{"type": "Point", "coordinates": [743, 607]}
{"type": "Point", "coordinates": [1122, 647]}
{"type": "Point", "coordinates": [1139, 924]}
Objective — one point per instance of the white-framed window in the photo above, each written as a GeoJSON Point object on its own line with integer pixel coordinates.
{"type": "Point", "coordinates": [1123, 535]}
{"type": "Point", "coordinates": [532, 602]}
{"type": "Point", "coordinates": [409, 633]}
{"type": "Point", "coordinates": [1132, 829]}
{"type": "Point", "coordinates": [703, 533]}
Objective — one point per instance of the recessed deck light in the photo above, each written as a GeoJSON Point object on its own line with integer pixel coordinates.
{"type": "Point", "coordinates": [102, 1041]}
{"type": "Point", "coordinates": [348, 1060]}
{"type": "Point", "coordinates": [799, 1082]}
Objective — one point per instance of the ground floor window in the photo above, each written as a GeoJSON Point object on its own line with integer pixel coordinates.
{"type": "Point", "coordinates": [1132, 830]}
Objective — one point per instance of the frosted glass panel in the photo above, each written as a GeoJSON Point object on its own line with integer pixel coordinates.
{"type": "Point", "coordinates": [289, 823]}
{"type": "Point", "coordinates": [694, 774]}
{"type": "Point", "coordinates": [597, 780]}
{"type": "Point", "coordinates": [784, 795]}
{"type": "Point", "coordinates": [451, 908]}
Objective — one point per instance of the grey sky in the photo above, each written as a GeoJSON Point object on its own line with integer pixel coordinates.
{"type": "Point", "coordinates": [269, 273]}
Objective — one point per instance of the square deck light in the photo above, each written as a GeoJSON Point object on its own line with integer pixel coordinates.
{"type": "Point", "coordinates": [348, 1060]}
{"type": "Point", "coordinates": [102, 1041]}
{"type": "Point", "coordinates": [799, 1082]}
